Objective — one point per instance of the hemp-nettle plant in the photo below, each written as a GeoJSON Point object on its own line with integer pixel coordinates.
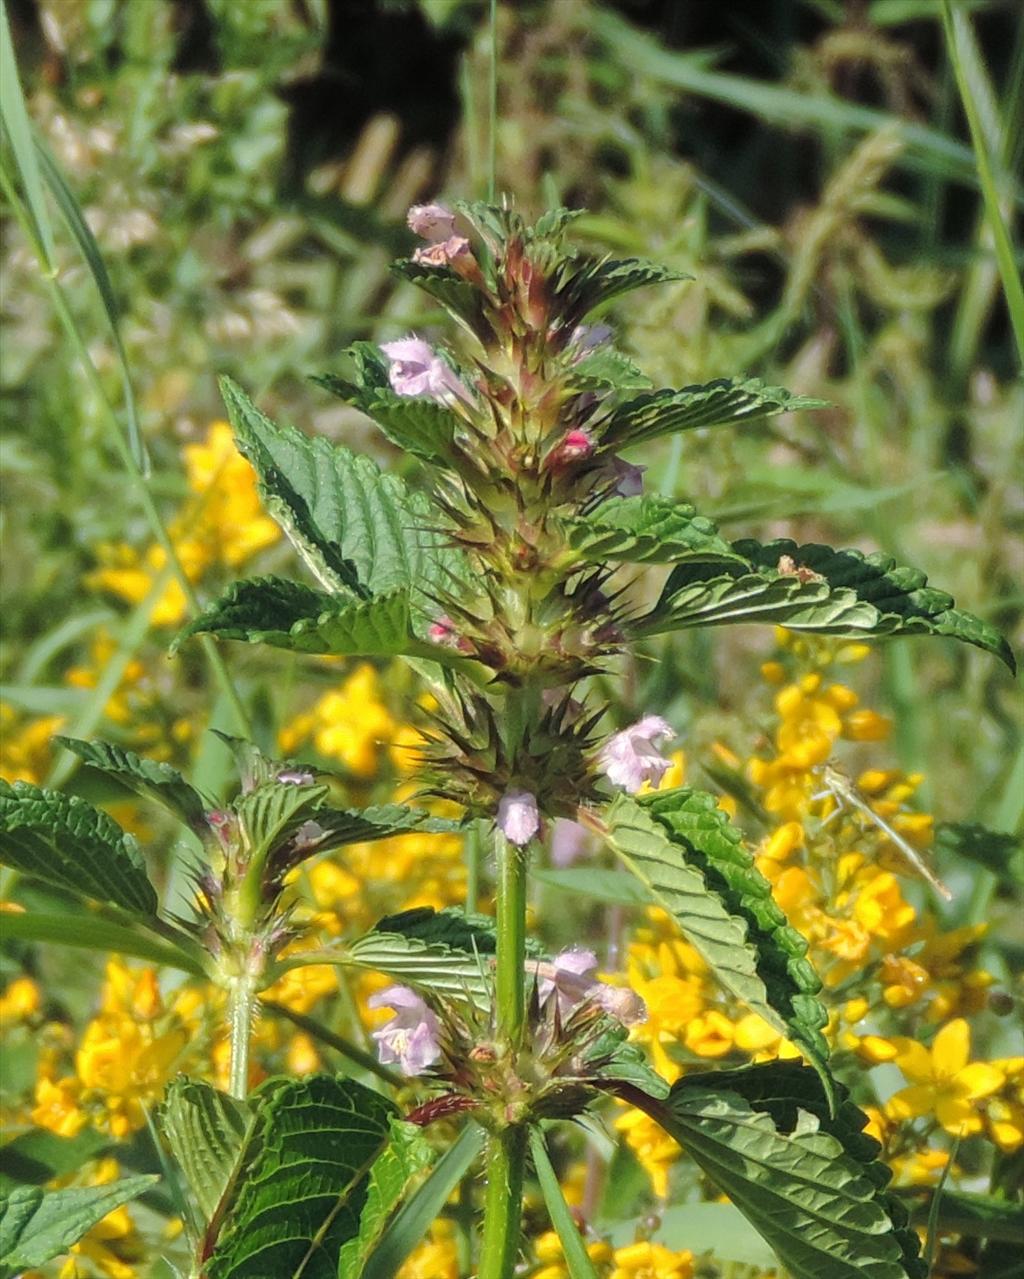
{"type": "Point", "coordinates": [525, 560]}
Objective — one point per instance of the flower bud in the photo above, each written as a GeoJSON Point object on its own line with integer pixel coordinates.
{"type": "Point", "coordinates": [518, 818]}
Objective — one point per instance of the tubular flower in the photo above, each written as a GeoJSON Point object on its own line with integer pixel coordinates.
{"type": "Point", "coordinates": [433, 222]}
{"type": "Point", "coordinates": [410, 1038]}
{"type": "Point", "coordinates": [630, 758]}
{"type": "Point", "coordinates": [417, 370]}
{"type": "Point", "coordinates": [571, 979]}
{"type": "Point", "coordinates": [943, 1082]}
{"type": "Point", "coordinates": [518, 818]}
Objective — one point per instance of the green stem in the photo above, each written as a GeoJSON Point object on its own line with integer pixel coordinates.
{"type": "Point", "coordinates": [503, 1203]}
{"type": "Point", "coordinates": [510, 984]}
{"type": "Point", "coordinates": [241, 1013]}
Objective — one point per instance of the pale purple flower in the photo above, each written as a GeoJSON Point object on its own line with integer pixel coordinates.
{"type": "Point", "coordinates": [417, 369]}
{"type": "Point", "coordinates": [411, 1038]}
{"type": "Point", "coordinates": [518, 818]}
{"type": "Point", "coordinates": [628, 480]}
{"type": "Point", "coordinates": [571, 979]}
{"type": "Point", "coordinates": [630, 758]}
{"type": "Point", "coordinates": [569, 842]}
{"type": "Point", "coordinates": [588, 337]}
{"type": "Point", "coordinates": [433, 222]}
{"type": "Point", "coordinates": [444, 252]}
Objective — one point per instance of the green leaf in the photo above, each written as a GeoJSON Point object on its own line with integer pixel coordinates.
{"type": "Point", "coordinates": [718, 1228]}
{"type": "Point", "coordinates": [359, 530]}
{"type": "Point", "coordinates": [147, 777]}
{"type": "Point", "coordinates": [809, 1182]}
{"type": "Point", "coordinates": [577, 1259]}
{"type": "Point", "coordinates": [582, 283]}
{"type": "Point", "coordinates": [964, 1213]}
{"type": "Point", "coordinates": [418, 426]}
{"type": "Point", "coordinates": [997, 851]}
{"type": "Point", "coordinates": [67, 843]}
{"type": "Point", "coordinates": [612, 1058]}
{"type": "Point", "coordinates": [459, 298]}
{"type": "Point", "coordinates": [91, 933]}
{"type": "Point", "coordinates": [693, 865]}
{"type": "Point", "coordinates": [815, 588]}
{"type": "Point", "coordinates": [647, 530]}
{"type": "Point", "coordinates": [724, 402]}
{"type": "Point", "coordinates": [447, 960]}
{"type": "Point", "coordinates": [206, 1131]}
{"type": "Point", "coordinates": [271, 812]}
{"type": "Point", "coordinates": [413, 1219]}
{"type": "Point", "coordinates": [303, 1179]}
{"type": "Point", "coordinates": [39, 1155]}
{"type": "Point", "coordinates": [606, 368]}
{"type": "Point", "coordinates": [407, 1155]}
{"type": "Point", "coordinates": [343, 826]}
{"type": "Point", "coordinates": [617, 887]}
{"type": "Point", "coordinates": [285, 614]}
{"type": "Point", "coordinates": [37, 1225]}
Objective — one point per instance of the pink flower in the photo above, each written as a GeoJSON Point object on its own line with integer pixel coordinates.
{"type": "Point", "coordinates": [444, 252]}
{"type": "Point", "coordinates": [416, 369]}
{"type": "Point", "coordinates": [518, 818]}
{"type": "Point", "coordinates": [433, 222]}
{"type": "Point", "coordinates": [410, 1038]}
{"type": "Point", "coordinates": [630, 758]}
{"type": "Point", "coordinates": [569, 842]}
{"type": "Point", "coordinates": [570, 977]}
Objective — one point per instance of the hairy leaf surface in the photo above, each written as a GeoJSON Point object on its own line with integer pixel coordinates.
{"type": "Point", "coordinates": [286, 614]}
{"type": "Point", "coordinates": [582, 283]}
{"type": "Point", "coordinates": [206, 1130]}
{"type": "Point", "coordinates": [404, 1158]}
{"type": "Point", "coordinates": [724, 402]}
{"type": "Point", "coordinates": [807, 1180]}
{"type": "Point", "coordinates": [816, 588]}
{"type": "Point", "coordinates": [416, 425]}
{"type": "Point", "coordinates": [647, 530]}
{"type": "Point", "coordinates": [65, 842]}
{"type": "Point", "coordinates": [358, 529]}
{"type": "Point", "coordinates": [147, 777]}
{"type": "Point", "coordinates": [37, 1225]}
{"type": "Point", "coordinates": [303, 1179]}
{"type": "Point", "coordinates": [717, 903]}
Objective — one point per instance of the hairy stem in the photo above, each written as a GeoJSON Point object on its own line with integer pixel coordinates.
{"type": "Point", "coordinates": [510, 985]}
{"type": "Point", "coordinates": [503, 1203]}
{"type": "Point", "coordinates": [241, 1013]}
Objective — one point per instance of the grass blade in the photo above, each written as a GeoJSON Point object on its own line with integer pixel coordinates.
{"type": "Point", "coordinates": [577, 1260]}
{"type": "Point", "coordinates": [14, 115]}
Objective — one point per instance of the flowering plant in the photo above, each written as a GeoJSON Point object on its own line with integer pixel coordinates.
{"type": "Point", "coordinates": [519, 571]}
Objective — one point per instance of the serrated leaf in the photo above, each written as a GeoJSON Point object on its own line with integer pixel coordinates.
{"type": "Point", "coordinates": [39, 1155]}
{"type": "Point", "coordinates": [91, 933]}
{"type": "Point", "coordinates": [606, 369]}
{"type": "Point", "coordinates": [613, 1058]}
{"type": "Point", "coordinates": [303, 1179]}
{"type": "Point", "coordinates": [712, 844]}
{"type": "Point", "coordinates": [271, 812]}
{"type": "Point", "coordinates": [358, 529]}
{"type": "Point", "coordinates": [647, 530]}
{"type": "Point", "coordinates": [67, 843]}
{"type": "Point", "coordinates": [458, 297]}
{"type": "Point", "coordinates": [458, 967]}
{"type": "Point", "coordinates": [38, 1225]}
{"type": "Point", "coordinates": [290, 615]}
{"type": "Point", "coordinates": [206, 1130]}
{"type": "Point", "coordinates": [726, 401]}
{"type": "Point", "coordinates": [582, 283]}
{"type": "Point", "coordinates": [383, 821]}
{"type": "Point", "coordinates": [752, 965]}
{"type": "Point", "coordinates": [404, 1158]}
{"type": "Point", "coordinates": [418, 426]}
{"type": "Point", "coordinates": [816, 588]}
{"type": "Point", "coordinates": [147, 777]}
{"type": "Point", "coordinates": [808, 1181]}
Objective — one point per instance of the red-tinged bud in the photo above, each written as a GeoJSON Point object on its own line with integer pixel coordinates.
{"type": "Point", "coordinates": [445, 633]}
{"type": "Point", "coordinates": [440, 1108]}
{"type": "Point", "coordinates": [576, 446]}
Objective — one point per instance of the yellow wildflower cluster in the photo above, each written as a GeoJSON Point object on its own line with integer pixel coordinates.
{"type": "Point", "coordinates": [25, 745]}
{"type": "Point", "coordinates": [641, 1260]}
{"type": "Point", "coordinates": [222, 525]}
{"type": "Point", "coordinates": [349, 724]}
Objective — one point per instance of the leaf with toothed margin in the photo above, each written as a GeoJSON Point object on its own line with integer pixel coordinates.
{"type": "Point", "coordinates": [458, 296]}
{"type": "Point", "coordinates": [359, 530]}
{"type": "Point", "coordinates": [647, 530]}
{"type": "Point", "coordinates": [67, 843]}
{"type": "Point", "coordinates": [802, 1172]}
{"type": "Point", "coordinates": [737, 936]}
{"type": "Point", "coordinates": [147, 777]}
{"type": "Point", "coordinates": [302, 1180]}
{"type": "Point", "coordinates": [727, 401]}
{"type": "Point", "coordinates": [417, 425]}
{"type": "Point", "coordinates": [582, 283]}
{"type": "Point", "coordinates": [285, 614]}
{"type": "Point", "coordinates": [816, 588]}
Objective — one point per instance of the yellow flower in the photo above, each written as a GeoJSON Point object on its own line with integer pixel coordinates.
{"type": "Point", "coordinates": [349, 724]}
{"type": "Point", "coordinates": [437, 1257]}
{"type": "Point", "coordinates": [19, 1001]}
{"type": "Point", "coordinates": [57, 1106]}
{"type": "Point", "coordinates": [548, 1249]}
{"type": "Point", "coordinates": [710, 1035]}
{"type": "Point", "coordinates": [655, 1150]}
{"type": "Point", "coordinates": [25, 747]}
{"type": "Point", "coordinates": [113, 1245]}
{"type": "Point", "coordinates": [648, 1260]}
{"type": "Point", "coordinates": [942, 1081]}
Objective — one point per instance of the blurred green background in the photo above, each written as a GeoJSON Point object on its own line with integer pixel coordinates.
{"type": "Point", "coordinates": [245, 167]}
